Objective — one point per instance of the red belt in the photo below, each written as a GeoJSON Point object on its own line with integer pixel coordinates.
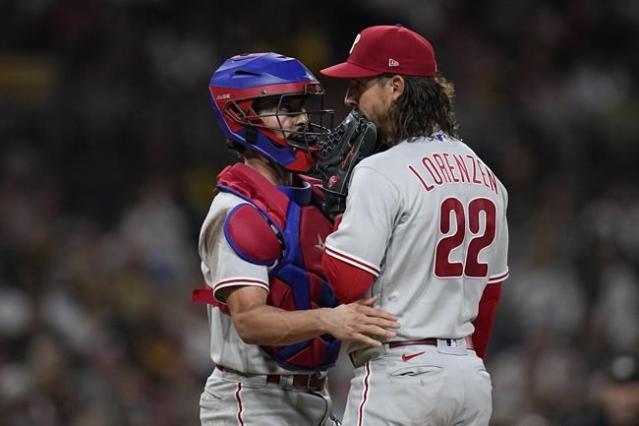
{"type": "Point", "coordinates": [431, 342]}
{"type": "Point", "coordinates": [315, 382]}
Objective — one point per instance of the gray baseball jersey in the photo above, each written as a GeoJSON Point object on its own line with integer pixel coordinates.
{"type": "Point", "coordinates": [244, 396]}
{"type": "Point", "coordinates": [223, 268]}
{"type": "Point", "coordinates": [428, 219]}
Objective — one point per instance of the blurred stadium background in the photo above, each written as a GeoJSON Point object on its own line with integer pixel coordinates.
{"type": "Point", "coordinates": [109, 151]}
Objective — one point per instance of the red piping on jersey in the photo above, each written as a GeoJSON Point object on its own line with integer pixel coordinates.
{"type": "Point", "coordinates": [240, 280]}
{"type": "Point", "coordinates": [349, 282]}
{"type": "Point", "coordinates": [234, 282]}
{"type": "Point", "coordinates": [499, 278]}
{"type": "Point", "coordinates": [360, 411]}
{"type": "Point", "coordinates": [239, 404]}
{"type": "Point", "coordinates": [486, 318]}
{"type": "Point", "coordinates": [350, 259]}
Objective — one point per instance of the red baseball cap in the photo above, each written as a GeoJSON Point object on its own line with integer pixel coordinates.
{"type": "Point", "coordinates": [387, 49]}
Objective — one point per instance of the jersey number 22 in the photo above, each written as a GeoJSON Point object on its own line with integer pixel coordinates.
{"type": "Point", "coordinates": [470, 267]}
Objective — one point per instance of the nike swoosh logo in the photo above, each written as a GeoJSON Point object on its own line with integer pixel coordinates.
{"type": "Point", "coordinates": [406, 357]}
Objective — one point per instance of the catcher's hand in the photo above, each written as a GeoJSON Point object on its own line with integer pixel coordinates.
{"type": "Point", "coordinates": [350, 142]}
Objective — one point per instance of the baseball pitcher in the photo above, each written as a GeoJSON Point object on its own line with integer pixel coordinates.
{"type": "Point", "coordinates": [424, 230]}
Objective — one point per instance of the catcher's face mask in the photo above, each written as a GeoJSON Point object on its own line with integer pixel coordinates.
{"type": "Point", "coordinates": [300, 120]}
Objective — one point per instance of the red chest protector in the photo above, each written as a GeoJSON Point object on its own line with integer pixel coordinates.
{"type": "Point", "coordinates": [281, 228]}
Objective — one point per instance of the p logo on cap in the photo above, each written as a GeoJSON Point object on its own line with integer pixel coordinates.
{"type": "Point", "coordinates": [385, 49]}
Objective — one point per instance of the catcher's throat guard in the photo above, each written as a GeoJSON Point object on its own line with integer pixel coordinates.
{"type": "Point", "coordinates": [350, 142]}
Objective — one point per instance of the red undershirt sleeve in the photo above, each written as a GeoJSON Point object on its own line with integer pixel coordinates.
{"type": "Point", "coordinates": [486, 317]}
{"type": "Point", "coordinates": [348, 282]}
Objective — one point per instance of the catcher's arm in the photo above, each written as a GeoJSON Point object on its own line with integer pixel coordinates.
{"type": "Point", "coordinates": [261, 324]}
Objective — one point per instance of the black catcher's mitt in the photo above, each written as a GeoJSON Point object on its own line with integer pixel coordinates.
{"type": "Point", "coordinates": [350, 142]}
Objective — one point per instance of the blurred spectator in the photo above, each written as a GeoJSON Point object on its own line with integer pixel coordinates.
{"type": "Point", "coordinates": [620, 394]}
{"type": "Point", "coordinates": [615, 393]}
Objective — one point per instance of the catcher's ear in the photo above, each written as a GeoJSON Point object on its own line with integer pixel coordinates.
{"type": "Point", "coordinates": [396, 86]}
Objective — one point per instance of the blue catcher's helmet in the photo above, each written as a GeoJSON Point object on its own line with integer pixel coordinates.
{"type": "Point", "coordinates": [243, 79]}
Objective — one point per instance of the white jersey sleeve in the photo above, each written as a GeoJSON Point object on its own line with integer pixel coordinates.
{"type": "Point", "coordinates": [367, 225]}
{"type": "Point", "coordinates": [221, 266]}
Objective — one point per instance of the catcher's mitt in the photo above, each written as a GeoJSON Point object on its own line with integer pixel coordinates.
{"type": "Point", "coordinates": [350, 142]}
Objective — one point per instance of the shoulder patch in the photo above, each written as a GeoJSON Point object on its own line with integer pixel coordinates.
{"type": "Point", "coordinates": [250, 235]}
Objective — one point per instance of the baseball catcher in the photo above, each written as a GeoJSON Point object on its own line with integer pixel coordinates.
{"type": "Point", "coordinates": [275, 324]}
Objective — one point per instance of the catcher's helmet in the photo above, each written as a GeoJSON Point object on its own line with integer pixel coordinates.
{"type": "Point", "coordinates": [243, 79]}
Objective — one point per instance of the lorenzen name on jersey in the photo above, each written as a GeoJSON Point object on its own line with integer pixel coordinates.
{"type": "Point", "coordinates": [439, 169]}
